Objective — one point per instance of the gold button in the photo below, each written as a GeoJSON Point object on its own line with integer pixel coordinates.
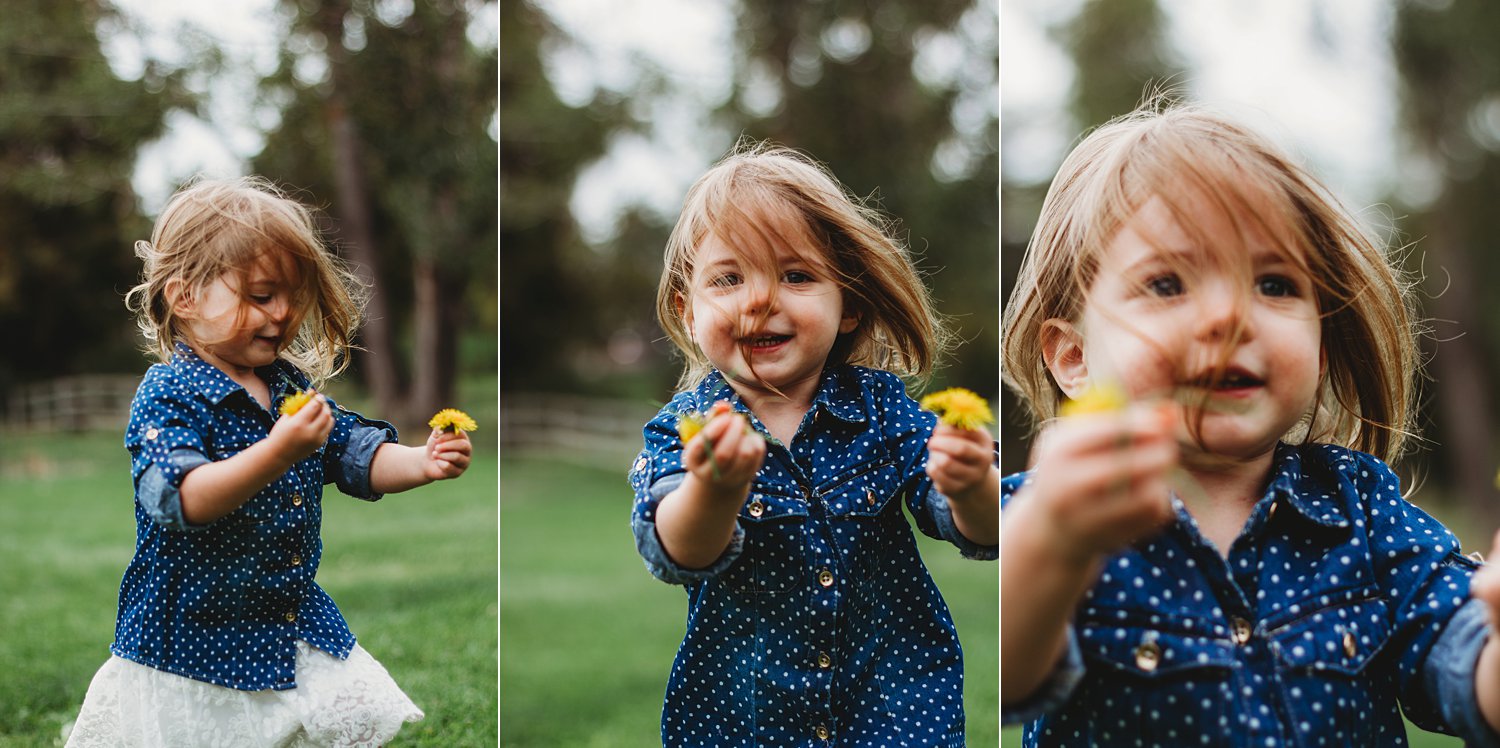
{"type": "Point", "coordinates": [1271, 513]}
{"type": "Point", "coordinates": [152, 433]}
{"type": "Point", "coordinates": [869, 497]}
{"type": "Point", "coordinates": [1241, 630]}
{"type": "Point", "coordinates": [824, 661]}
{"type": "Point", "coordinates": [296, 499]}
{"type": "Point", "coordinates": [1148, 656]}
{"type": "Point", "coordinates": [821, 732]}
{"type": "Point", "coordinates": [757, 508]}
{"type": "Point", "coordinates": [640, 464]}
{"type": "Point", "coordinates": [291, 616]}
{"type": "Point", "coordinates": [296, 559]}
{"type": "Point", "coordinates": [825, 578]}
{"type": "Point", "coordinates": [1349, 645]}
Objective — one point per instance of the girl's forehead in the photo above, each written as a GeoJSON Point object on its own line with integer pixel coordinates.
{"type": "Point", "coordinates": [760, 235]}
{"type": "Point", "coordinates": [1220, 227]}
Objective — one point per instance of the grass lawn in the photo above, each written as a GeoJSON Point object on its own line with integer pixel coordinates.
{"type": "Point", "coordinates": [589, 635]}
{"type": "Point", "coordinates": [414, 574]}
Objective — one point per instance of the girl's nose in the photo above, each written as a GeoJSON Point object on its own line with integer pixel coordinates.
{"type": "Point", "coordinates": [1220, 315]}
{"type": "Point", "coordinates": [758, 297]}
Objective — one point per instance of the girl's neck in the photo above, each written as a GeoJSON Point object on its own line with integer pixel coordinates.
{"type": "Point", "coordinates": [243, 376]}
{"type": "Point", "coordinates": [1222, 494]}
{"type": "Point", "coordinates": [781, 412]}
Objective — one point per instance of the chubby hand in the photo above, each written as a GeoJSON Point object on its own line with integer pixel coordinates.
{"type": "Point", "coordinates": [1099, 481]}
{"type": "Point", "coordinates": [447, 454]}
{"type": "Point", "coordinates": [737, 451]}
{"type": "Point", "coordinates": [959, 460]}
{"type": "Point", "coordinates": [300, 434]}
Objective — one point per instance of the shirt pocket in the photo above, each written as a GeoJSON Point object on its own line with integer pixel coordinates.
{"type": "Point", "coordinates": [1330, 662]}
{"type": "Point", "coordinates": [1167, 686]}
{"type": "Point", "coordinates": [773, 557]}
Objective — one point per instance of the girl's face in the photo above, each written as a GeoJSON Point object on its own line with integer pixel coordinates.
{"type": "Point", "coordinates": [1235, 334]}
{"type": "Point", "coordinates": [767, 326]}
{"type": "Point", "coordinates": [238, 324]}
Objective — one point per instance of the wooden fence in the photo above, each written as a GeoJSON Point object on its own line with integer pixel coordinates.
{"type": "Point", "coordinates": [79, 403]}
{"type": "Point", "coordinates": [580, 429]}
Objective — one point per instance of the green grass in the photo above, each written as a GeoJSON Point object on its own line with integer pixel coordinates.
{"type": "Point", "coordinates": [414, 574]}
{"type": "Point", "coordinates": [589, 635]}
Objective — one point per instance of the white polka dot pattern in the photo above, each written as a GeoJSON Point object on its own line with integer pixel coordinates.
{"type": "Point", "coordinates": [1313, 631]}
{"type": "Point", "coordinates": [820, 625]}
{"type": "Point", "coordinates": [225, 603]}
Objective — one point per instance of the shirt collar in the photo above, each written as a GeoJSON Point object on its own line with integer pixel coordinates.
{"type": "Point", "coordinates": [838, 394]}
{"type": "Point", "coordinates": [215, 385]}
{"type": "Point", "coordinates": [1318, 497]}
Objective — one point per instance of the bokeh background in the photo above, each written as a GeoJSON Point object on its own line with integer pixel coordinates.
{"type": "Point", "coordinates": [609, 109]}
{"type": "Point", "coordinates": [381, 114]}
{"type": "Point", "coordinates": [1396, 104]}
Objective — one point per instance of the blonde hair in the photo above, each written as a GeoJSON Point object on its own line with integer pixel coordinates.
{"type": "Point", "coordinates": [213, 227]}
{"type": "Point", "coordinates": [1176, 152]}
{"type": "Point", "coordinates": [898, 330]}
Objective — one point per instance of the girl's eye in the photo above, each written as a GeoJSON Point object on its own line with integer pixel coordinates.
{"type": "Point", "coordinates": [797, 276]}
{"type": "Point", "coordinates": [1164, 285]}
{"type": "Point", "coordinates": [260, 298]}
{"type": "Point", "coordinates": [726, 280]}
{"type": "Point", "coordinates": [1276, 285]}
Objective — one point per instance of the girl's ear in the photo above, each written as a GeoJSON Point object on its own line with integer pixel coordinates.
{"type": "Point", "coordinates": [179, 299]}
{"type": "Point", "coordinates": [849, 322]}
{"type": "Point", "coordinates": [1062, 351]}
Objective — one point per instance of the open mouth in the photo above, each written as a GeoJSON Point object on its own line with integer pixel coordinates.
{"type": "Point", "coordinates": [765, 341]}
{"type": "Point", "coordinates": [1229, 380]}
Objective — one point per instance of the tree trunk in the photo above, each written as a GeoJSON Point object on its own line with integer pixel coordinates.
{"type": "Point", "coordinates": [1459, 370]}
{"type": "Point", "coordinates": [378, 359]}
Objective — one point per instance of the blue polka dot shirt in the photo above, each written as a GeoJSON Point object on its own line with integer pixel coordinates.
{"type": "Point", "coordinates": [819, 624]}
{"type": "Point", "coordinates": [1339, 606]}
{"type": "Point", "coordinates": [225, 602]}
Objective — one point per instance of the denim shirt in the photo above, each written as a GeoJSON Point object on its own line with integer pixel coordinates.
{"type": "Point", "coordinates": [225, 602]}
{"type": "Point", "coordinates": [1338, 603]}
{"type": "Point", "coordinates": [819, 623]}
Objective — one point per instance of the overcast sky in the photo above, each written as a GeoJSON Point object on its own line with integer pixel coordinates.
{"type": "Point", "coordinates": [1315, 76]}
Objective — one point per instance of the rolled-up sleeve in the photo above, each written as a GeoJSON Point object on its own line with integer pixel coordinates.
{"type": "Point", "coordinates": [165, 444]}
{"type": "Point", "coordinates": [1448, 674]}
{"type": "Point", "coordinates": [351, 451]}
{"type": "Point", "coordinates": [1053, 692]}
{"type": "Point", "coordinates": [648, 543]}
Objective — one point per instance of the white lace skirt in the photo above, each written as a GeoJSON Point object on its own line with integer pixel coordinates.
{"type": "Point", "coordinates": [336, 702]}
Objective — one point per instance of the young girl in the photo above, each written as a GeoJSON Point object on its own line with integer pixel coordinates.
{"type": "Point", "coordinates": [1226, 560]}
{"type": "Point", "coordinates": [811, 619]}
{"type": "Point", "coordinates": [223, 637]}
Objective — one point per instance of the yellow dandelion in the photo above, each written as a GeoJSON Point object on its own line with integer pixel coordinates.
{"type": "Point", "coordinates": [959, 408]}
{"type": "Point", "coordinates": [294, 402]}
{"type": "Point", "coordinates": [456, 421]}
{"type": "Point", "coordinates": [689, 424]}
{"type": "Point", "coordinates": [1099, 398]}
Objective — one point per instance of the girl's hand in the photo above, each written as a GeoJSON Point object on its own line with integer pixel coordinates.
{"type": "Point", "coordinates": [300, 434]}
{"type": "Point", "coordinates": [737, 452]}
{"type": "Point", "coordinates": [959, 460]}
{"type": "Point", "coordinates": [1099, 481]}
{"type": "Point", "coordinates": [447, 454]}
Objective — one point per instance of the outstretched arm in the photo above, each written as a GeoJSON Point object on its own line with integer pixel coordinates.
{"type": "Point", "coordinates": [1486, 586]}
{"type": "Point", "coordinates": [396, 468]}
{"type": "Point", "coordinates": [961, 464]}
{"type": "Point", "coordinates": [695, 522]}
{"type": "Point", "coordinates": [1098, 483]}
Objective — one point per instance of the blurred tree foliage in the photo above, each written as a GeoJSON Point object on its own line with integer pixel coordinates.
{"type": "Point", "coordinates": [69, 130]}
{"type": "Point", "coordinates": [1449, 71]}
{"type": "Point", "coordinates": [398, 137]}
{"type": "Point", "coordinates": [548, 290]}
{"type": "Point", "coordinates": [896, 98]}
{"type": "Point", "coordinates": [1120, 52]}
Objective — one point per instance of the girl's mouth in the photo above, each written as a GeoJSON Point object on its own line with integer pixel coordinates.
{"type": "Point", "coordinates": [1230, 381]}
{"type": "Point", "coordinates": [765, 341]}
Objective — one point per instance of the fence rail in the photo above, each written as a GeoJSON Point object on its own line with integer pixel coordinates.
{"type": "Point", "coordinates": [569, 427]}
{"type": "Point", "coordinates": [78, 403]}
